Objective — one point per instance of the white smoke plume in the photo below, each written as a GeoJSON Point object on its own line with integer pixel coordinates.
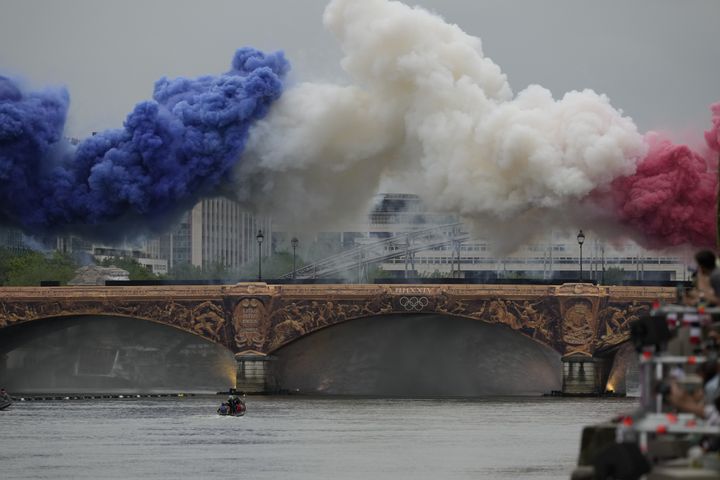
{"type": "Point", "coordinates": [427, 109]}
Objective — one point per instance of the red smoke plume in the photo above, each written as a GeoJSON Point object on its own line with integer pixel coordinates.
{"type": "Point", "coordinates": [671, 199]}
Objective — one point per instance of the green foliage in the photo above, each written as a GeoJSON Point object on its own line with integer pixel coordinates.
{"type": "Point", "coordinates": [435, 274]}
{"type": "Point", "coordinates": [274, 266]}
{"type": "Point", "coordinates": [613, 276]}
{"type": "Point", "coordinates": [376, 272]}
{"type": "Point", "coordinates": [133, 267]}
{"type": "Point", "coordinates": [5, 255]}
{"type": "Point", "coordinates": [188, 271]}
{"type": "Point", "coordinates": [30, 268]}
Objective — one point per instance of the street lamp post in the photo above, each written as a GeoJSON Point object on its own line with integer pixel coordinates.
{"type": "Point", "coordinates": [407, 253]}
{"type": "Point", "coordinates": [456, 245]}
{"type": "Point", "coordinates": [581, 240]}
{"type": "Point", "coordinates": [260, 237]}
{"type": "Point", "coordinates": [294, 243]}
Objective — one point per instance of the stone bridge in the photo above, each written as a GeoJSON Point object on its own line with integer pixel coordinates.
{"type": "Point", "coordinates": [253, 320]}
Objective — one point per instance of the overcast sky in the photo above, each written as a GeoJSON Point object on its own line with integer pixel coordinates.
{"type": "Point", "coordinates": [658, 60]}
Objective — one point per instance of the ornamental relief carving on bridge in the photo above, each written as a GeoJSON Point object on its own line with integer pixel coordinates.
{"type": "Point", "coordinates": [205, 319]}
{"type": "Point", "coordinates": [615, 319]}
{"type": "Point", "coordinates": [250, 323]}
{"type": "Point", "coordinates": [569, 318]}
{"type": "Point", "coordinates": [295, 318]}
{"type": "Point", "coordinates": [292, 319]}
{"type": "Point", "coordinates": [578, 326]}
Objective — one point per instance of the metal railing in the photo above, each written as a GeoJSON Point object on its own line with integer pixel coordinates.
{"type": "Point", "coordinates": [407, 243]}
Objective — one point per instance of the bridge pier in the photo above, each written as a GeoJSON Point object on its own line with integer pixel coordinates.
{"type": "Point", "coordinates": [583, 375]}
{"type": "Point", "coordinates": [255, 374]}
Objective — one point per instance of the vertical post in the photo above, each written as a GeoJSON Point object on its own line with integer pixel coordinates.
{"type": "Point", "coordinates": [459, 250]}
{"type": "Point", "coordinates": [581, 240]}
{"type": "Point", "coordinates": [456, 248]}
{"type": "Point", "coordinates": [593, 262]}
{"type": "Point", "coordinates": [550, 268]}
{"type": "Point", "coordinates": [260, 237]}
{"type": "Point", "coordinates": [407, 252]}
{"type": "Point", "coordinates": [294, 243]}
{"type": "Point", "coordinates": [412, 261]}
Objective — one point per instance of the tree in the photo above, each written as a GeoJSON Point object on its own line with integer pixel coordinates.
{"type": "Point", "coordinates": [135, 270]}
{"type": "Point", "coordinates": [435, 274]}
{"type": "Point", "coordinates": [376, 272]}
{"type": "Point", "coordinates": [30, 268]}
{"type": "Point", "coordinates": [613, 276]}
{"type": "Point", "coordinates": [186, 271]}
{"type": "Point", "coordinates": [5, 256]}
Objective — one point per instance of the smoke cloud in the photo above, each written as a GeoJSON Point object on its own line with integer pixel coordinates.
{"type": "Point", "coordinates": [712, 136]}
{"type": "Point", "coordinates": [172, 150]}
{"type": "Point", "coordinates": [426, 109]}
{"type": "Point", "coordinates": [671, 198]}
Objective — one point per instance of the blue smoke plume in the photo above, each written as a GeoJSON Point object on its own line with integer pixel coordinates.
{"type": "Point", "coordinates": [172, 150]}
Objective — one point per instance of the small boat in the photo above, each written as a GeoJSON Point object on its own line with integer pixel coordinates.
{"type": "Point", "coordinates": [5, 403]}
{"type": "Point", "coordinates": [227, 410]}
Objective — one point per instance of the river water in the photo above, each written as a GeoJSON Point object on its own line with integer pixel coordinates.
{"type": "Point", "coordinates": [295, 437]}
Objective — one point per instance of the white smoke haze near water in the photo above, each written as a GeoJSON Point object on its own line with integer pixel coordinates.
{"type": "Point", "coordinates": [428, 109]}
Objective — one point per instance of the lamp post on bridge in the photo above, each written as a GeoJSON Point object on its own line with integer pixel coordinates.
{"type": "Point", "coordinates": [456, 248]}
{"type": "Point", "coordinates": [581, 240]}
{"type": "Point", "coordinates": [407, 253]}
{"type": "Point", "coordinates": [294, 242]}
{"type": "Point", "coordinates": [260, 237]}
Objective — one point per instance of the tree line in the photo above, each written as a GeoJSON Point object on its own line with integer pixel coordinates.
{"type": "Point", "coordinates": [30, 268]}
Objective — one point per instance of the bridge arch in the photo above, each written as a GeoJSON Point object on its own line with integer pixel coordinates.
{"type": "Point", "coordinates": [537, 319]}
{"type": "Point", "coordinates": [422, 354]}
{"type": "Point", "coordinates": [256, 319]}
{"type": "Point", "coordinates": [199, 330]}
{"type": "Point", "coordinates": [104, 353]}
{"type": "Point", "coordinates": [291, 331]}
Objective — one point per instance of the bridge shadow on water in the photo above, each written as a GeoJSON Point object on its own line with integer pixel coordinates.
{"type": "Point", "coordinates": [100, 354]}
{"type": "Point", "coordinates": [392, 355]}
{"type": "Point", "coordinates": [417, 355]}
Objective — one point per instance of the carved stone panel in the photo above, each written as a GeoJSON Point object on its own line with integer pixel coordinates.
{"type": "Point", "coordinates": [615, 319]}
{"type": "Point", "coordinates": [250, 323]}
{"type": "Point", "coordinates": [578, 326]}
{"type": "Point", "coordinates": [205, 319]}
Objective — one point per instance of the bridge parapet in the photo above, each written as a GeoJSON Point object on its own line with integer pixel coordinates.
{"type": "Point", "coordinates": [257, 318]}
{"type": "Point", "coordinates": [253, 320]}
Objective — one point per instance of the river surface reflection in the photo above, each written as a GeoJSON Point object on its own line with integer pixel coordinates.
{"type": "Point", "coordinates": [292, 437]}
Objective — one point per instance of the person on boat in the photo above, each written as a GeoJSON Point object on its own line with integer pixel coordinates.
{"type": "Point", "coordinates": [4, 396]}
{"type": "Point", "coordinates": [237, 405]}
{"type": "Point", "coordinates": [233, 404]}
{"type": "Point", "coordinates": [241, 406]}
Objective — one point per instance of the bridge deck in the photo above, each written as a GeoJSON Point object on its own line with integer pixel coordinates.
{"type": "Point", "coordinates": [259, 318]}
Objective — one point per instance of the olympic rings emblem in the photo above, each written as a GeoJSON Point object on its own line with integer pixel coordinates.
{"type": "Point", "coordinates": [414, 303]}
